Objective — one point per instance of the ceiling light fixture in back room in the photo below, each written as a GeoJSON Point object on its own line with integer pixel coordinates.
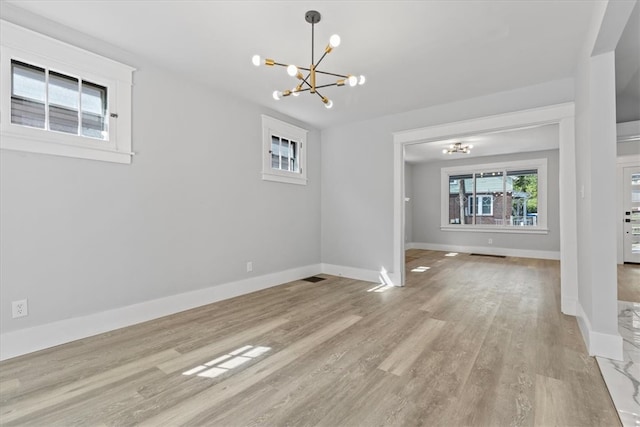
{"type": "Point", "coordinates": [458, 148]}
{"type": "Point", "coordinates": [308, 82]}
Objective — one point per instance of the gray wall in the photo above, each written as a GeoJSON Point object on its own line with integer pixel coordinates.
{"type": "Point", "coordinates": [629, 148]}
{"type": "Point", "coordinates": [357, 171]}
{"type": "Point", "coordinates": [81, 236]}
{"type": "Point", "coordinates": [426, 207]}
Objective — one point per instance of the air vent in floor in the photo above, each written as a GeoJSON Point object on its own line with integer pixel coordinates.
{"type": "Point", "coordinates": [314, 279]}
{"type": "Point", "coordinates": [492, 256]}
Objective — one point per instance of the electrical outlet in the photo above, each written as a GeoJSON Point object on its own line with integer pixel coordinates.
{"type": "Point", "coordinates": [249, 266]}
{"type": "Point", "coordinates": [19, 308]}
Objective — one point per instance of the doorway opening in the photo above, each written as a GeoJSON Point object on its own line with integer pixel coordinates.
{"type": "Point", "coordinates": [561, 115]}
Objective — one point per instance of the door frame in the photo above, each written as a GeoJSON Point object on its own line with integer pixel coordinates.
{"type": "Point", "coordinates": [561, 114]}
{"type": "Point", "coordinates": [622, 162]}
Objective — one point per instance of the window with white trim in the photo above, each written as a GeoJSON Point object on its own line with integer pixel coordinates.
{"type": "Point", "coordinates": [496, 197]}
{"type": "Point", "coordinates": [58, 99]}
{"type": "Point", "coordinates": [284, 152]}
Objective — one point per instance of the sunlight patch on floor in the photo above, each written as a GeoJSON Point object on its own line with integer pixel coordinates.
{"type": "Point", "coordinates": [227, 362]}
{"type": "Point", "coordinates": [380, 288]}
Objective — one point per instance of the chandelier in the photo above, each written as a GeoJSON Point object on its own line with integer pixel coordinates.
{"type": "Point", "coordinates": [307, 82]}
{"type": "Point", "coordinates": [458, 148]}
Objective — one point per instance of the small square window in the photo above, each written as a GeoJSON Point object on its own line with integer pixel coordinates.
{"type": "Point", "coordinates": [284, 152]}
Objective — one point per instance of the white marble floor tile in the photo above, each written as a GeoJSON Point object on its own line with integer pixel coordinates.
{"type": "Point", "coordinates": [623, 378]}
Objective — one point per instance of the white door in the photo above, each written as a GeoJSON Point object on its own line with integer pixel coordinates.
{"type": "Point", "coordinates": [631, 227]}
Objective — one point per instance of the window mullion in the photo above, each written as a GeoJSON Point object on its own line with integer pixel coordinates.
{"type": "Point", "coordinates": [79, 130]}
{"type": "Point", "coordinates": [291, 155]}
{"type": "Point", "coordinates": [504, 197]}
{"type": "Point", "coordinates": [46, 99]}
{"type": "Point", "coordinates": [474, 200]}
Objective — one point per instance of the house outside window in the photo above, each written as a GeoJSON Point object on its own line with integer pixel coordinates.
{"type": "Point", "coordinates": [46, 99]}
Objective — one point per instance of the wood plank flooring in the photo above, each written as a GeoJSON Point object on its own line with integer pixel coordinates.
{"type": "Point", "coordinates": [471, 341]}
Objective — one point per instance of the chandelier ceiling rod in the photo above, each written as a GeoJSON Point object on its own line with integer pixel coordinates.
{"type": "Point", "coordinates": [308, 83]}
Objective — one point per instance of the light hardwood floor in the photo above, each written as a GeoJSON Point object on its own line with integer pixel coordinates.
{"type": "Point", "coordinates": [472, 341]}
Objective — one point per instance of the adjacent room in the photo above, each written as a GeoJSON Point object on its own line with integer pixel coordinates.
{"type": "Point", "coordinates": [319, 213]}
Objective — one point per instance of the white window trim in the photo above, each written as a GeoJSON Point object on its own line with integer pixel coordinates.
{"type": "Point", "coordinates": [539, 164]}
{"type": "Point", "coordinates": [271, 126]}
{"type": "Point", "coordinates": [34, 48]}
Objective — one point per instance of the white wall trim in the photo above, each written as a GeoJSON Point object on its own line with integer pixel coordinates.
{"type": "Point", "coordinates": [487, 250]}
{"type": "Point", "coordinates": [569, 306]}
{"type": "Point", "coordinates": [568, 225]}
{"type": "Point", "coordinates": [537, 116]}
{"type": "Point", "coordinates": [28, 340]}
{"type": "Point", "coordinates": [598, 343]}
{"type": "Point", "coordinates": [352, 273]}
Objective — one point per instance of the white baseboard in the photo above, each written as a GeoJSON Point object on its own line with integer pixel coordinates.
{"type": "Point", "coordinates": [568, 306]}
{"type": "Point", "coordinates": [28, 340]}
{"type": "Point", "coordinates": [352, 273]}
{"type": "Point", "coordinates": [487, 250]}
{"type": "Point", "coordinates": [598, 343]}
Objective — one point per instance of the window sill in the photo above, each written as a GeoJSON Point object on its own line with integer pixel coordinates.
{"type": "Point", "coordinates": [285, 179]}
{"type": "Point", "coordinates": [24, 143]}
{"type": "Point", "coordinates": [495, 229]}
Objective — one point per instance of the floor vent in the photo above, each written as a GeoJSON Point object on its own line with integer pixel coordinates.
{"type": "Point", "coordinates": [492, 256]}
{"type": "Point", "coordinates": [314, 279]}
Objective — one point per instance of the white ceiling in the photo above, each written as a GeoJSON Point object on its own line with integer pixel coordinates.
{"type": "Point", "coordinates": [415, 54]}
{"type": "Point", "coordinates": [536, 138]}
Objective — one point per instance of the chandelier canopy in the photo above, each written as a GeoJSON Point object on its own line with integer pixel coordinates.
{"type": "Point", "coordinates": [458, 148]}
{"type": "Point", "coordinates": [307, 81]}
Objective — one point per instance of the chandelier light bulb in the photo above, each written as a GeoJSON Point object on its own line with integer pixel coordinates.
{"type": "Point", "coordinates": [334, 41]}
{"type": "Point", "coordinates": [328, 104]}
{"type": "Point", "coordinates": [295, 92]}
{"type": "Point", "coordinates": [362, 80]}
{"type": "Point", "coordinates": [277, 95]}
{"type": "Point", "coordinates": [444, 151]}
{"type": "Point", "coordinates": [292, 70]}
{"type": "Point", "coordinates": [256, 60]}
{"type": "Point", "coordinates": [469, 147]}
{"type": "Point", "coordinates": [352, 80]}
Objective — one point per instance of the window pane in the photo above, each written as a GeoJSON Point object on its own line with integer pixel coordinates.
{"type": "Point", "coordinates": [275, 152]}
{"type": "Point", "coordinates": [522, 196]}
{"type": "Point", "coordinates": [460, 196]}
{"type": "Point", "coordinates": [63, 103]}
{"type": "Point", "coordinates": [284, 155]}
{"type": "Point", "coordinates": [489, 188]}
{"type": "Point", "coordinates": [27, 95]}
{"type": "Point", "coordinates": [94, 110]}
{"type": "Point", "coordinates": [294, 157]}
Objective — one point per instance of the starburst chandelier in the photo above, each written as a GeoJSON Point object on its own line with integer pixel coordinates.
{"type": "Point", "coordinates": [307, 81]}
